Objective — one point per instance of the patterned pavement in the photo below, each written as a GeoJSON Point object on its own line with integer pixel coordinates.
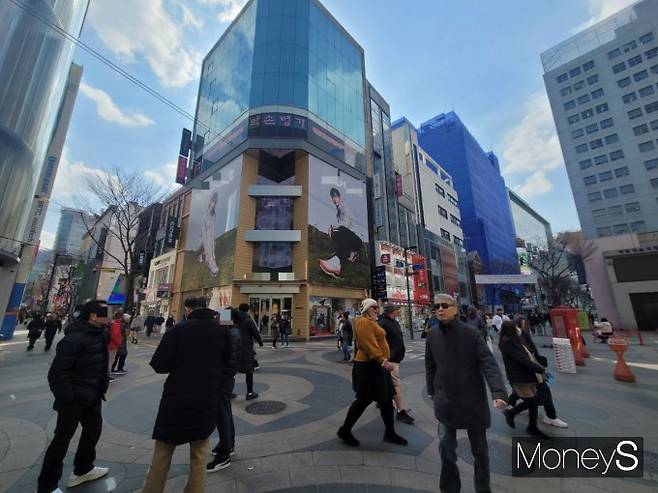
{"type": "Point", "coordinates": [296, 450]}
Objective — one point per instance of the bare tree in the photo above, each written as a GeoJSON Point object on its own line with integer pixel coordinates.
{"type": "Point", "coordinates": [120, 197]}
{"type": "Point", "coordinates": [555, 265]}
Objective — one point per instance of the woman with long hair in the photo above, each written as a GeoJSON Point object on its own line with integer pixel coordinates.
{"type": "Point", "coordinates": [524, 373]}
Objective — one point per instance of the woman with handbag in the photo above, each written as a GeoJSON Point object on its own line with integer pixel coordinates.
{"type": "Point", "coordinates": [524, 373]}
{"type": "Point", "coordinates": [371, 376]}
{"type": "Point", "coordinates": [544, 395]}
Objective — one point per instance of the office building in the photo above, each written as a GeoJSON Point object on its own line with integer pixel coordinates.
{"type": "Point", "coordinates": [602, 85]}
{"type": "Point", "coordinates": [70, 231]}
{"type": "Point", "coordinates": [486, 219]}
{"type": "Point", "coordinates": [429, 190]}
{"type": "Point", "coordinates": [533, 232]}
{"type": "Point", "coordinates": [275, 209]}
{"type": "Point", "coordinates": [33, 67]}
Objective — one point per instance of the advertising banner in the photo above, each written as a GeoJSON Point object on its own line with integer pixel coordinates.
{"type": "Point", "coordinates": [338, 228]}
{"type": "Point", "coordinates": [210, 242]}
{"type": "Point", "coordinates": [181, 170]}
{"type": "Point", "coordinates": [421, 283]}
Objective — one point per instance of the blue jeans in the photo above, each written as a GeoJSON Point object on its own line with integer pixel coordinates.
{"type": "Point", "coordinates": [346, 351]}
{"type": "Point", "coordinates": [284, 338]}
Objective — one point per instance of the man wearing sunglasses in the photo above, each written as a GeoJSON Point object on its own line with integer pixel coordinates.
{"type": "Point", "coordinates": [78, 378]}
{"type": "Point", "coordinates": [457, 363]}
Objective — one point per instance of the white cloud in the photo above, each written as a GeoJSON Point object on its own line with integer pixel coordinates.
{"type": "Point", "coordinates": [532, 148]}
{"type": "Point", "coordinates": [47, 240]}
{"type": "Point", "coordinates": [188, 18]}
{"type": "Point", "coordinates": [109, 111]}
{"type": "Point", "coordinates": [70, 186]}
{"type": "Point", "coordinates": [229, 9]}
{"type": "Point", "coordinates": [602, 9]}
{"type": "Point", "coordinates": [145, 29]}
{"type": "Point", "coordinates": [164, 176]}
{"type": "Point", "coordinates": [535, 184]}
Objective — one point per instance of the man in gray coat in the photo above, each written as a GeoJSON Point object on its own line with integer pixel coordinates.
{"type": "Point", "coordinates": [457, 363]}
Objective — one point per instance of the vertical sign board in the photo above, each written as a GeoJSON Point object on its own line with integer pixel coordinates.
{"type": "Point", "coordinates": [183, 153]}
{"type": "Point", "coordinates": [421, 284]}
{"type": "Point", "coordinates": [171, 232]}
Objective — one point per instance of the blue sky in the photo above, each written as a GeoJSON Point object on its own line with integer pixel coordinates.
{"type": "Point", "coordinates": [479, 58]}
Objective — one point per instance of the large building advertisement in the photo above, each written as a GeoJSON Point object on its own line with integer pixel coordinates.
{"type": "Point", "coordinates": [211, 230]}
{"type": "Point", "coordinates": [338, 228]}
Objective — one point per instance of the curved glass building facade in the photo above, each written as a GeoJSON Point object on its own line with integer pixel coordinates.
{"type": "Point", "coordinates": [34, 64]}
{"type": "Point", "coordinates": [284, 56]}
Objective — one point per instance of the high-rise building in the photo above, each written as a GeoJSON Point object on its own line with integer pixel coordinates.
{"type": "Point", "coordinates": [430, 192]}
{"type": "Point", "coordinates": [70, 231]}
{"type": "Point", "coordinates": [486, 218]}
{"type": "Point", "coordinates": [602, 86]}
{"type": "Point", "coordinates": [34, 63]}
{"type": "Point", "coordinates": [532, 230]}
{"type": "Point", "coordinates": [275, 209]}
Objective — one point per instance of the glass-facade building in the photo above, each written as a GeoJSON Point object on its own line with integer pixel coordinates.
{"type": "Point", "coordinates": [532, 230]}
{"type": "Point", "coordinates": [34, 65]}
{"type": "Point", "coordinates": [486, 218]}
{"type": "Point", "coordinates": [281, 55]}
{"type": "Point", "coordinates": [70, 230]}
{"type": "Point", "coordinates": [276, 208]}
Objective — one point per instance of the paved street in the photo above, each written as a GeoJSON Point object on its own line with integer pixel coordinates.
{"type": "Point", "coordinates": [296, 450]}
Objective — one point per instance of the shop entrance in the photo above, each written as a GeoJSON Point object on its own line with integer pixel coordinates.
{"type": "Point", "coordinates": [265, 306]}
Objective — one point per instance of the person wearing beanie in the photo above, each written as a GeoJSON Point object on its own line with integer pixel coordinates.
{"type": "Point", "coordinates": [394, 338]}
{"type": "Point", "coordinates": [371, 376]}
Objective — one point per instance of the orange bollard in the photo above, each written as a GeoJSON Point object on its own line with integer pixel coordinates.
{"type": "Point", "coordinates": [575, 347]}
{"type": "Point", "coordinates": [583, 350]}
{"type": "Point", "coordinates": [622, 372]}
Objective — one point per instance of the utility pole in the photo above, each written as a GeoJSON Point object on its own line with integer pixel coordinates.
{"type": "Point", "coordinates": [46, 298]}
{"type": "Point", "coordinates": [406, 274]}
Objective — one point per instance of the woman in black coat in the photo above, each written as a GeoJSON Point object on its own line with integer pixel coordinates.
{"type": "Point", "coordinates": [248, 334]}
{"type": "Point", "coordinates": [523, 372]}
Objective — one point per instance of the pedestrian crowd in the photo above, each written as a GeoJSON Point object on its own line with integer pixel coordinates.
{"type": "Point", "coordinates": [203, 352]}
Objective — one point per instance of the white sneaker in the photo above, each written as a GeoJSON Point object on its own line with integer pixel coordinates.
{"type": "Point", "coordinates": [331, 267]}
{"type": "Point", "coordinates": [557, 422]}
{"type": "Point", "coordinates": [95, 473]}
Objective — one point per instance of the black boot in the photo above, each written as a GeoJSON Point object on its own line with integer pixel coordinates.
{"type": "Point", "coordinates": [347, 437]}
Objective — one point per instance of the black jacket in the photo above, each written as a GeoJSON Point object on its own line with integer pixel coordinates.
{"type": "Point", "coordinates": [519, 368]}
{"type": "Point", "coordinates": [35, 327]}
{"type": "Point", "coordinates": [530, 344]}
{"type": "Point", "coordinates": [394, 338]}
{"type": "Point", "coordinates": [52, 326]}
{"type": "Point", "coordinates": [457, 362]}
{"type": "Point", "coordinates": [479, 324]}
{"type": "Point", "coordinates": [248, 334]}
{"type": "Point", "coordinates": [78, 373]}
{"type": "Point", "coordinates": [193, 353]}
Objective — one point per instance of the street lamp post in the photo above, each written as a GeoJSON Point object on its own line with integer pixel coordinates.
{"type": "Point", "coordinates": [406, 274]}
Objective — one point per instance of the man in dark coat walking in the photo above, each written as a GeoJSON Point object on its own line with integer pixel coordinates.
{"type": "Point", "coordinates": [248, 334]}
{"type": "Point", "coordinates": [34, 330]}
{"type": "Point", "coordinates": [395, 339]}
{"type": "Point", "coordinates": [78, 379]}
{"type": "Point", "coordinates": [457, 363]}
{"type": "Point", "coordinates": [193, 353]}
{"type": "Point", "coordinates": [52, 326]}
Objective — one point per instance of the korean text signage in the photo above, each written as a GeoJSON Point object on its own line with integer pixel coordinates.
{"type": "Point", "coordinates": [421, 285]}
{"type": "Point", "coordinates": [183, 156]}
{"type": "Point", "coordinates": [277, 125]}
{"type": "Point", "coordinates": [578, 457]}
{"type": "Point", "coordinates": [379, 282]}
{"type": "Point", "coordinates": [171, 232]}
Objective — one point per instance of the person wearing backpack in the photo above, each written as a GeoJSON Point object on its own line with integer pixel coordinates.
{"type": "Point", "coordinates": [225, 425]}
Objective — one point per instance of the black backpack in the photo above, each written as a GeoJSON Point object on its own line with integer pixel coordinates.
{"type": "Point", "coordinates": [236, 346]}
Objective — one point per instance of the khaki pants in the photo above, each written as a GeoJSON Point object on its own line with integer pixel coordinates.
{"type": "Point", "coordinates": [110, 359]}
{"type": "Point", "coordinates": [156, 477]}
{"type": "Point", "coordinates": [397, 384]}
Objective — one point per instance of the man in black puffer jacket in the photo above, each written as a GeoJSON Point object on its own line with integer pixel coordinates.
{"type": "Point", "coordinates": [78, 378]}
{"type": "Point", "coordinates": [193, 354]}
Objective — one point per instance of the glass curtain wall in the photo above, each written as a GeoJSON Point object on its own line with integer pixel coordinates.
{"type": "Point", "coordinates": [34, 65]}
